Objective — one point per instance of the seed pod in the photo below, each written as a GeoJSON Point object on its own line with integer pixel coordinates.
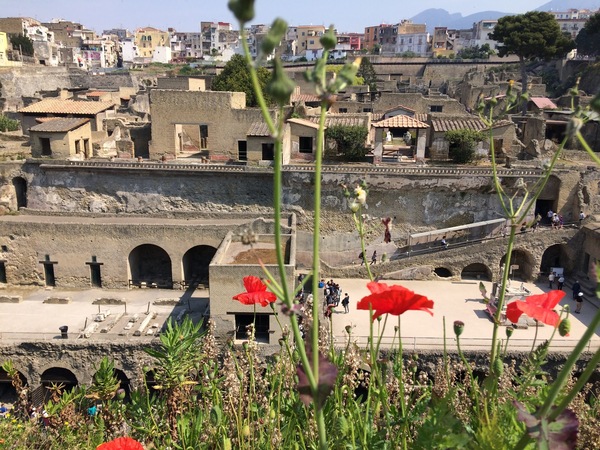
{"type": "Point", "coordinates": [459, 327]}
{"type": "Point", "coordinates": [509, 331]}
{"type": "Point", "coordinates": [328, 40]}
{"type": "Point", "coordinates": [243, 10]}
{"type": "Point", "coordinates": [564, 327]}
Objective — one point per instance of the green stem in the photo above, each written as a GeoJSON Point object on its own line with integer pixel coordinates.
{"type": "Point", "coordinates": [537, 327]}
{"type": "Point", "coordinates": [587, 148]}
{"type": "Point", "coordinates": [361, 233]}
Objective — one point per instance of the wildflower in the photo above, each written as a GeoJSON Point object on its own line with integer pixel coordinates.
{"type": "Point", "coordinates": [354, 206]}
{"type": "Point", "coordinates": [393, 300]}
{"type": "Point", "coordinates": [327, 376]}
{"type": "Point", "coordinates": [122, 443]}
{"type": "Point", "coordinates": [256, 292]}
{"type": "Point", "coordinates": [361, 195]}
{"type": "Point", "coordinates": [539, 307]}
{"type": "Point", "coordinates": [459, 327]}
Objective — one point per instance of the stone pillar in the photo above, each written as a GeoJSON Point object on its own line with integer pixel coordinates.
{"type": "Point", "coordinates": [421, 141]}
{"type": "Point", "coordinates": [378, 151]}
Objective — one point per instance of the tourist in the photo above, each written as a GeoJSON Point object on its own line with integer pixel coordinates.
{"type": "Point", "coordinates": [581, 217]}
{"type": "Point", "coordinates": [374, 257]}
{"type": "Point", "coordinates": [361, 256]}
{"type": "Point", "coordinates": [444, 243]}
{"type": "Point", "coordinates": [561, 282]}
{"type": "Point", "coordinates": [579, 301]}
{"type": "Point", "coordinates": [551, 280]}
{"type": "Point", "coordinates": [576, 289]}
{"type": "Point", "coordinates": [549, 216]}
{"type": "Point", "coordinates": [346, 303]}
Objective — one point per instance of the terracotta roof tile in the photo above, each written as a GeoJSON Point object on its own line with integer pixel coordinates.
{"type": "Point", "coordinates": [400, 121]}
{"type": "Point", "coordinates": [306, 98]}
{"type": "Point", "coordinates": [59, 125]}
{"type": "Point", "coordinates": [543, 103]}
{"type": "Point", "coordinates": [341, 119]}
{"type": "Point", "coordinates": [474, 124]}
{"type": "Point", "coordinates": [55, 106]}
{"type": "Point", "coordinates": [258, 129]}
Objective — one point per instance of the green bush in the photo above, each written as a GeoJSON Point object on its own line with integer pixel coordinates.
{"type": "Point", "coordinates": [7, 124]}
{"type": "Point", "coordinates": [347, 140]}
{"type": "Point", "coordinates": [462, 144]}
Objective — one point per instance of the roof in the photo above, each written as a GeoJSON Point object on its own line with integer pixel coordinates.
{"type": "Point", "coordinates": [304, 122]}
{"type": "Point", "coordinates": [396, 108]}
{"type": "Point", "coordinates": [56, 106]}
{"type": "Point", "coordinates": [258, 129]}
{"type": "Point", "coordinates": [96, 93]}
{"type": "Point", "coordinates": [341, 119]}
{"type": "Point", "coordinates": [306, 98]}
{"type": "Point", "coordinates": [59, 125]}
{"type": "Point", "coordinates": [400, 121]}
{"type": "Point", "coordinates": [543, 103]}
{"type": "Point", "coordinates": [469, 123]}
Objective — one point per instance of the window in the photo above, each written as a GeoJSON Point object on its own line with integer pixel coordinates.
{"type": "Point", "coordinates": [77, 147]}
{"type": "Point", "coordinates": [2, 272]}
{"type": "Point", "coordinates": [435, 108]}
{"type": "Point", "coordinates": [242, 151]}
{"type": "Point", "coordinates": [261, 333]}
{"type": "Point", "coordinates": [367, 109]}
{"type": "Point", "coordinates": [268, 151]}
{"type": "Point", "coordinates": [343, 110]}
{"type": "Point", "coordinates": [306, 144]}
{"type": "Point", "coordinates": [311, 42]}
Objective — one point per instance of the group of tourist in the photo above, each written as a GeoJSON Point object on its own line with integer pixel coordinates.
{"type": "Point", "coordinates": [332, 294]}
{"type": "Point", "coordinates": [557, 281]}
{"type": "Point", "coordinates": [363, 258]}
{"type": "Point", "coordinates": [577, 296]}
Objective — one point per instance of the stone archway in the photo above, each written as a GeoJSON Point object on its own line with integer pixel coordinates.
{"type": "Point", "coordinates": [195, 264]}
{"type": "Point", "coordinates": [555, 256]}
{"type": "Point", "coordinates": [54, 376]}
{"type": "Point", "coordinates": [443, 272]}
{"type": "Point", "coordinates": [8, 394]}
{"type": "Point", "coordinates": [523, 263]}
{"type": "Point", "coordinates": [476, 271]}
{"type": "Point", "coordinates": [150, 265]}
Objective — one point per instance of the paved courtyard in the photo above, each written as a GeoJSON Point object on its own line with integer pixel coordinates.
{"type": "Point", "coordinates": [34, 319]}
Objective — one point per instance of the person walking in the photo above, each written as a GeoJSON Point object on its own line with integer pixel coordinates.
{"type": "Point", "coordinates": [581, 217]}
{"type": "Point", "coordinates": [579, 301]}
{"type": "Point", "coordinates": [551, 280]}
{"type": "Point", "coordinates": [346, 303]}
{"type": "Point", "coordinates": [444, 243]}
{"type": "Point", "coordinates": [576, 289]}
{"type": "Point", "coordinates": [561, 282]}
{"type": "Point", "coordinates": [374, 257]}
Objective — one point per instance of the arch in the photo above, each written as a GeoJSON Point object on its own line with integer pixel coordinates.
{"type": "Point", "coordinates": [195, 263]}
{"type": "Point", "coordinates": [478, 271]}
{"type": "Point", "coordinates": [150, 264]}
{"type": "Point", "coordinates": [124, 381]}
{"type": "Point", "coordinates": [443, 272]}
{"type": "Point", "coordinates": [554, 256]}
{"type": "Point", "coordinates": [20, 185]}
{"type": "Point", "coordinates": [8, 393]}
{"type": "Point", "coordinates": [150, 381]}
{"type": "Point", "coordinates": [55, 376]}
{"type": "Point", "coordinates": [525, 262]}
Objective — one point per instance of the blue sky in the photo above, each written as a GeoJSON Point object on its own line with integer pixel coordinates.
{"type": "Point", "coordinates": [186, 15]}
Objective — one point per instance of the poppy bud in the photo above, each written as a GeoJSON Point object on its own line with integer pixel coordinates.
{"type": "Point", "coordinates": [246, 431]}
{"type": "Point", "coordinates": [280, 86]}
{"type": "Point", "coordinates": [574, 126]}
{"type": "Point", "coordinates": [564, 327]}
{"type": "Point", "coordinates": [348, 329]}
{"type": "Point", "coordinates": [509, 331]}
{"type": "Point", "coordinates": [328, 40]}
{"type": "Point", "coordinates": [498, 367]}
{"type": "Point", "coordinates": [459, 327]}
{"type": "Point", "coordinates": [243, 10]}
{"type": "Point", "coordinates": [493, 101]}
{"type": "Point", "coordinates": [274, 36]}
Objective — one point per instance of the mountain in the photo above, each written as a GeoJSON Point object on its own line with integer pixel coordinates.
{"type": "Point", "coordinates": [564, 5]}
{"type": "Point", "coordinates": [435, 17]}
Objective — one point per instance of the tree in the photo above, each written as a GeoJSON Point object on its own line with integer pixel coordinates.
{"type": "Point", "coordinates": [477, 52]}
{"type": "Point", "coordinates": [462, 144]}
{"type": "Point", "coordinates": [367, 72]}
{"type": "Point", "coordinates": [347, 140]}
{"type": "Point", "coordinates": [22, 43]}
{"type": "Point", "coordinates": [531, 36]}
{"type": "Point", "coordinates": [235, 77]}
{"type": "Point", "coordinates": [588, 39]}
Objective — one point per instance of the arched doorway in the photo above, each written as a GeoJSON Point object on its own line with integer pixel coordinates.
{"type": "Point", "coordinates": [477, 271]}
{"type": "Point", "coordinates": [442, 272]}
{"type": "Point", "coordinates": [554, 256]}
{"type": "Point", "coordinates": [547, 200]}
{"type": "Point", "coordinates": [57, 376]}
{"type": "Point", "coordinates": [8, 393]}
{"type": "Point", "coordinates": [522, 264]}
{"type": "Point", "coordinates": [195, 264]}
{"type": "Point", "coordinates": [151, 265]}
{"type": "Point", "coordinates": [20, 185]}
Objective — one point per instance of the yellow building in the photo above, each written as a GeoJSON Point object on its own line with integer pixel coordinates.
{"type": "Point", "coordinates": [308, 38]}
{"type": "Point", "coordinates": [147, 39]}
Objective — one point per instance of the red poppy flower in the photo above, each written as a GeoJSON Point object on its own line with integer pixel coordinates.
{"type": "Point", "coordinates": [256, 292]}
{"type": "Point", "coordinates": [394, 300]}
{"type": "Point", "coordinates": [122, 443]}
{"type": "Point", "coordinates": [539, 307]}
